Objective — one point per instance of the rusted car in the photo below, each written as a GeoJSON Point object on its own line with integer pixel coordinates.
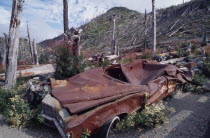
{"type": "Point", "coordinates": [95, 99]}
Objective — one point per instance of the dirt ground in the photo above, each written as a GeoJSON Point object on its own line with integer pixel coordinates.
{"type": "Point", "coordinates": [191, 119]}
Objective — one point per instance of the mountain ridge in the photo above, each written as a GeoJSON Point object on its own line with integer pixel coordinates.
{"type": "Point", "coordinates": [182, 22]}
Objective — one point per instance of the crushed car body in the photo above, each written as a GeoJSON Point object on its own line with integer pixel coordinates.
{"type": "Point", "coordinates": [90, 99]}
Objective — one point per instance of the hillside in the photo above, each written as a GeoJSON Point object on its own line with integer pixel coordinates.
{"type": "Point", "coordinates": [183, 22]}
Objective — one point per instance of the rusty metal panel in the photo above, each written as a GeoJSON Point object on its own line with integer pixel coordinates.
{"type": "Point", "coordinates": [94, 119]}
{"type": "Point", "coordinates": [141, 72]}
{"type": "Point", "coordinates": [91, 88]}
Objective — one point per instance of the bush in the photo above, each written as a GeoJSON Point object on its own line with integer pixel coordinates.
{"type": "Point", "coordinates": [44, 58]}
{"type": "Point", "coordinates": [206, 68]}
{"type": "Point", "coordinates": [189, 88]}
{"type": "Point", "coordinates": [149, 117]}
{"type": "Point", "coordinates": [199, 80]}
{"type": "Point", "coordinates": [68, 65]}
{"type": "Point", "coordinates": [15, 109]}
{"type": "Point", "coordinates": [196, 86]}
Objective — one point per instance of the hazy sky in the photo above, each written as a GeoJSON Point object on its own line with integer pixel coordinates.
{"type": "Point", "coordinates": [46, 20]}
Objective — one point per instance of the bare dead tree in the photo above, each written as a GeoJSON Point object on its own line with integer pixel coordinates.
{"type": "Point", "coordinates": [13, 44]}
{"type": "Point", "coordinates": [35, 55]}
{"type": "Point", "coordinates": [65, 16]}
{"type": "Point", "coordinates": [3, 54]}
{"type": "Point", "coordinates": [30, 44]}
{"type": "Point", "coordinates": [75, 40]}
{"type": "Point", "coordinates": [154, 26]}
{"type": "Point", "coordinates": [113, 39]}
{"type": "Point", "coordinates": [145, 31]}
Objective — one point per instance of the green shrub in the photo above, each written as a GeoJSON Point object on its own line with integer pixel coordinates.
{"type": "Point", "coordinates": [149, 117]}
{"type": "Point", "coordinates": [196, 86]}
{"type": "Point", "coordinates": [44, 58]}
{"type": "Point", "coordinates": [16, 111]}
{"type": "Point", "coordinates": [189, 88]}
{"type": "Point", "coordinates": [199, 80]}
{"type": "Point", "coordinates": [68, 65]}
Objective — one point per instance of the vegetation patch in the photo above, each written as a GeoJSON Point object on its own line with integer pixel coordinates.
{"type": "Point", "coordinates": [15, 110]}
{"type": "Point", "coordinates": [150, 117]}
{"type": "Point", "coordinates": [68, 65]}
{"type": "Point", "coordinates": [196, 86]}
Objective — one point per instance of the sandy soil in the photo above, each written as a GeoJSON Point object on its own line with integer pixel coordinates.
{"type": "Point", "coordinates": [191, 119]}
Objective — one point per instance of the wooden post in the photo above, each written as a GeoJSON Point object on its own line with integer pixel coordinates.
{"type": "Point", "coordinates": [204, 37]}
{"type": "Point", "coordinates": [113, 39]}
{"type": "Point", "coordinates": [13, 44]}
{"type": "Point", "coordinates": [65, 16]}
{"type": "Point", "coordinates": [30, 44]}
{"type": "Point", "coordinates": [154, 27]}
{"type": "Point", "coordinates": [145, 31]}
{"type": "Point", "coordinates": [36, 61]}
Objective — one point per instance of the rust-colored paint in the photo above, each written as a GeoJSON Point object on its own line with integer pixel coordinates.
{"type": "Point", "coordinates": [100, 94]}
{"type": "Point", "coordinates": [92, 88]}
{"type": "Point", "coordinates": [94, 119]}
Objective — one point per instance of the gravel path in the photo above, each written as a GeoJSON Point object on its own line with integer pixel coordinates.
{"type": "Point", "coordinates": [191, 119]}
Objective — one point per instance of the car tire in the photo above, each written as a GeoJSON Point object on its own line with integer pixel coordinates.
{"type": "Point", "coordinates": [107, 127]}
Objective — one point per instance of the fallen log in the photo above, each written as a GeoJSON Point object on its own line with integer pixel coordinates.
{"type": "Point", "coordinates": [172, 61]}
{"type": "Point", "coordinates": [111, 57]}
{"type": "Point", "coordinates": [32, 70]}
{"type": "Point", "coordinates": [176, 31]}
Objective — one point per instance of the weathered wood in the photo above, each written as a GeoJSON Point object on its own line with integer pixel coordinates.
{"type": "Point", "coordinates": [174, 25]}
{"type": "Point", "coordinates": [145, 31]}
{"type": "Point", "coordinates": [13, 44]}
{"type": "Point", "coordinates": [35, 55]}
{"type": "Point", "coordinates": [154, 26]}
{"type": "Point", "coordinates": [203, 52]}
{"type": "Point", "coordinates": [3, 54]}
{"type": "Point", "coordinates": [175, 31]}
{"type": "Point", "coordinates": [32, 70]}
{"type": "Point", "coordinates": [172, 61]}
{"type": "Point", "coordinates": [75, 41]}
{"type": "Point", "coordinates": [65, 16]}
{"type": "Point", "coordinates": [113, 39]}
{"type": "Point", "coordinates": [30, 44]}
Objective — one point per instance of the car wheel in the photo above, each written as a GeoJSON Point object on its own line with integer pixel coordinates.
{"type": "Point", "coordinates": [108, 128]}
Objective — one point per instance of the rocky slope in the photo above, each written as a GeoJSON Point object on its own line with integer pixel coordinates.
{"type": "Point", "coordinates": [183, 22]}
